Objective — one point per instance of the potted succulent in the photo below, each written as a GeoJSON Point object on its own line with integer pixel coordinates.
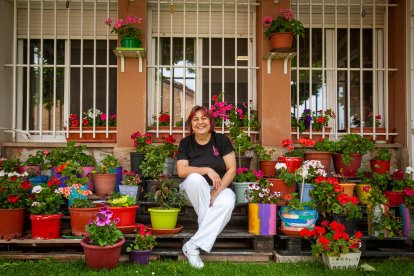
{"type": "Point", "coordinates": [125, 208]}
{"type": "Point", "coordinates": [127, 30]}
{"type": "Point", "coordinates": [130, 184]}
{"type": "Point", "coordinates": [283, 181]}
{"type": "Point", "coordinates": [81, 212]}
{"type": "Point", "coordinates": [281, 30]}
{"type": "Point", "coordinates": [14, 196]}
{"type": "Point", "coordinates": [241, 181]}
{"type": "Point", "coordinates": [262, 208]}
{"type": "Point", "coordinates": [323, 150]}
{"type": "Point", "coordinates": [102, 248]}
{"type": "Point", "coordinates": [44, 208]}
{"type": "Point", "coordinates": [140, 247]}
{"type": "Point", "coordinates": [339, 250]}
{"type": "Point", "coordinates": [297, 215]}
{"type": "Point", "coordinates": [348, 154]}
{"type": "Point", "coordinates": [142, 145]}
{"type": "Point", "coordinates": [170, 199]}
{"type": "Point", "coordinates": [266, 164]}
{"type": "Point", "coordinates": [381, 162]}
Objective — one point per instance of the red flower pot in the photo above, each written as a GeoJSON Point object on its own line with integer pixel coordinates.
{"type": "Point", "coordinates": [80, 217]}
{"type": "Point", "coordinates": [126, 216]}
{"type": "Point", "coordinates": [394, 198]}
{"type": "Point", "coordinates": [280, 186]}
{"type": "Point", "coordinates": [380, 166]}
{"type": "Point", "coordinates": [11, 223]}
{"type": "Point", "coordinates": [292, 163]}
{"type": "Point", "coordinates": [101, 257]}
{"type": "Point", "coordinates": [347, 170]}
{"type": "Point", "coordinates": [46, 226]}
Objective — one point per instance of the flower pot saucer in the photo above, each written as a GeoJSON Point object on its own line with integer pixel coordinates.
{"type": "Point", "coordinates": [155, 231]}
{"type": "Point", "coordinates": [126, 229]}
{"type": "Point", "coordinates": [291, 233]}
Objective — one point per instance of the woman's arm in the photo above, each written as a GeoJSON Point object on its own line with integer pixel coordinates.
{"type": "Point", "coordinates": [230, 161]}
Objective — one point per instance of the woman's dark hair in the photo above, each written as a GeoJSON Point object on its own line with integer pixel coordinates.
{"type": "Point", "coordinates": [205, 111]}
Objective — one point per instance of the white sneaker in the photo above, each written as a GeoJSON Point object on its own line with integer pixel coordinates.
{"type": "Point", "coordinates": [193, 257]}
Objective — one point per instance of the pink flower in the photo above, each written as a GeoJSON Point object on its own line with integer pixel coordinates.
{"type": "Point", "coordinates": [130, 19]}
{"type": "Point", "coordinates": [267, 20]}
{"type": "Point", "coordinates": [241, 170]}
{"type": "Point", "coordinates": [366, 188]}
{"type": "Point", "coordinates": [259, 174]}
{"type": "Point", "coordinates": [102, 117]}
{"type": "Point", "coordinates": [409, 191]}
{"type": "Point", "coordinates": [108, 21]}
{"type": "Point", "coordinates": [113, 117]}
{"type": "Point", "coordinates": [287, 14]}
{"type": "Point", "coordinates": [118, 24]}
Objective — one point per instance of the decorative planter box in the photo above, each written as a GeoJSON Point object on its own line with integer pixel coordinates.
{"type": "Point", "coordinates": [344, 261]}
{"type": "Point", "coordinates": [87, 135]}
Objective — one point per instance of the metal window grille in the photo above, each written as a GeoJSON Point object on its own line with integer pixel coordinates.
{"type": "Point", "coordinates": [199, 49]}
{"type": "Point", "coordinates": [342, 64]}
{"type": "Point", "coordinates": [61, 49]}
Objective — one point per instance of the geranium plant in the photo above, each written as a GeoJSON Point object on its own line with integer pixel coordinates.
{"type": "Point", "coordinates": [309, 170]}
{"type": "Point", "coordinates": [169, 145]}
{"type": "Point", "coordinates": [9, 165]}
{"type": "Point", "coordinates": [259, 192]}
{"type": "Point", "coordinates": [46, 199]}
{"type": "Point", "coordinates": [125, 27]}
{"type": "Point", "coordinates": [318, 119]}
{"type": "Point", "coordinates": [325, 145]}
{"type": "Point", "coordinates": [264, 154]}
{"type": "Point", "coordinates": [130, 178]}
{"type": "Point", "coordinates": [14, 190]}
{"type": "Point", "coordinates": [353, 144]}
{"type": "Point", "coordinates": [143, 239]}
{"type": "Point", "coordinates": [283, 173]}
{"type": "Point", "coordinates": [294, 203]}
{"type": "Point", "coordinates": [331, 238]}
{"type": "Point", "coordinates": [245, 175]}
{"type": "Point", "coordinates": [91, 116]}
{"type": "Point", "coordinates": [285, 22]}
{"type": "Point", "coordinates": [142, 142]}
{"type": "Point", "coordinates": [293, 151]}
{"type": "Point", "coordinates": [38, 159]}
{"type": "Point", "coordinates": [163, 119]}
{"type": "Point", "coordinates": [401, 180]}
{"type": "Point", "coordinates": [102, 231]}
{"type": "Point", "coordinates": [382, 154]}
{"type": "Point", "coordinates": [72, 171]}
{"type": "Point", "coordinates": [329, 199]}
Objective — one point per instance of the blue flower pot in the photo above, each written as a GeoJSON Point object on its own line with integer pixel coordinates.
{"type": "Point", "coordinates": [74, 194]}
{"type": "Point", "coordinates": [308, 187]}
{"type": "Point", "coordinates": [36, 180]}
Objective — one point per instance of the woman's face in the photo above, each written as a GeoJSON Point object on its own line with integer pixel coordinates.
{"type": "Point", "coordinates": [200, 123]}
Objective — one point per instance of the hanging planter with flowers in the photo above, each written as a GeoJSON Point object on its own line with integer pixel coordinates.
{"type": "Point", "coordinates": [281, 30]}
{"type": "Point", "coordinates": [125, 28]}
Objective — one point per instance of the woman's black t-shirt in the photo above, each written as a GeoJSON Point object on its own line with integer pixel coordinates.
{"type": "Point", "coordinates": [208, 155]}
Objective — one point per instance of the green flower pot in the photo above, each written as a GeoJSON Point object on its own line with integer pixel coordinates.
{"type": "Point", "coordinates": [130, 42]}
{"type": "Point", "coordinates": [163, 218]}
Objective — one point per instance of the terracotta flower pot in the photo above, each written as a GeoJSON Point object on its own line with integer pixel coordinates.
{"type": "Point", "coordinates": [87, 135]}
{"type": "Point", "coordinates": [87, 173]}
{"type": "Point", "coordinates": [11, 223]}
{"type": "Point", "coordinates": [31, 169]}
{"type": "Point", "coordinates": [80, 217]}
{"type": "Point", "coordinates": [292, 163]}
{"type": "Point", "coordinates": [268, 167]}
{"type": "Point", "coordinates": [348, 188]}
{"type": "Point", "coordinates": [104, 183]}
{"type": "Point", "coordinates": [347, 170]}
{"type": "Point", "coordinates": [380, 166]}
{"type": "Point", "coordinates": [323, 156]}
{"type": "Point", "coordinates": [281, 40]}
{"type": "Point", "coordinates": [280, 186]}
{"type": "Point", "coordinates": [101, 257]}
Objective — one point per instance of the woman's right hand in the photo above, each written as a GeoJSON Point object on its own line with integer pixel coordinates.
{"type": "Point", "coordinates": [215, 178]}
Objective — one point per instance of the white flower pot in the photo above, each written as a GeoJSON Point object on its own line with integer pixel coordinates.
{"type": "Point", "coordinates": [344, 261]}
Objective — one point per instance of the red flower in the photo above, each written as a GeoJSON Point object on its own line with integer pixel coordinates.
{"type": "Point", "coordinates": [337, 236]}
{"type": "Point", "coordinates": [26, 185]}
{"type": "Point", "coordinates": [320, 230]}
{"type": "Point", "coordinates": [287, 196]}
{"type": "Point", "coordinates": [286, 143]}
{"type": "Point", "coordinates": [85, 122]}
{"type": "Point", "coordinates": [319, 179]}
{"type": "Point", "coordinates": [148, 141]}
{"type": "Point", "coordinates": [215, 98]}
{"type": "Point", "coordinates": [306, 142]}
{"type": "Point", "coordinates": [325, 223]}
{"type": "Point", "coordinates": [343, 198]}
{"type": "Point", "coordinates": [358, 235]}
{"type": "Point", "coordinates": [320, 120]}
{"type": "Point", "coordinates": [305, 232]}
{"type": "Point", "coordinates": [75, 123]}
{"type": "Point", "coordinates": [290, 148]}
{"type": "Point", "coordinates": [13, 198]}
{"type": "Point", "coordinates": [337, 188]}
{"type": "Point", "coordinates": [53, 181]}
{"type": "Point", "coordinates": [398, 175]}
{"type": "Point", "coordinates": [324, 241]}
{"type": "Point", "coordinates": [333, 180]}
{"type": "Point", "coordinates": [366, 188]}
{"type": "Point", "coordinates": [61, 168]}
{"type": "Point", "coordinates": [73, 117]}
{"type": "Point", "coordinates": [354, 200]}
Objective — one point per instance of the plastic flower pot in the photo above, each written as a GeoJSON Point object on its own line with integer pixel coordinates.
{"type": "Point", "coordinates": [292, 163]}
{"type": "Point", "coordinates": [87, 173]}
{"type": "Point", "coordinates": [344, 261]}
{"type": "Point", "coordinates": [268, 167]}
{"type": "Point", "coordinates": [11, 223]}
{"type": "Point", "coordinates": [293, 221]}
{"type": "Point", "coordinates": [104, 183]}
{"type": "Point", "coordinates": [140, 257]}
{"type": "Point", "coordinates": [46, 226]}
{"type": "Point", "coordinates": [347, 170]}
{"type": "Point", "coordinates": [130, 42]}
{"type": "Point", "coordinates": [101, 257]}
{"type": "Point", "coordinates": [80, 217]}
{"type": "Point", "coordinates": [394, 198]}
{"type": "Point", "coordinates": [133, 191]}
{"type": "Point", "coordinates": [262, 219]}
{"type": "Point", "coordinates": [118, 172]}
{"type": "Point", "coordinates": [281, 40]}
{"type": "Point", "coordinates": [280, 186]}
{"type": "Point", "coordinates": [164, 218]}
{"type": "Point", "coordinates": [126, 215]}
{"type": "Point", "coordinates": [380, 166]}
{"type": "Point", "coordinates": [362, 191]}
{"type": "Point", "coordinates": [323, 156]}
{"type": "Point", "coordinates": [239, 189]}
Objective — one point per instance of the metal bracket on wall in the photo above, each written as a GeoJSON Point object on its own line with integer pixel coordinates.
{"type": "Point", "coordinates": [123, 53]}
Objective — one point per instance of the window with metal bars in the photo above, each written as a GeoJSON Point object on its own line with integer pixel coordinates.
{"type": "Point", "coordinates": [199, 49]}
{"type": "Point", "coordinates": [64, 64]}
{"type": "Point", "coordinates": [342, 63]}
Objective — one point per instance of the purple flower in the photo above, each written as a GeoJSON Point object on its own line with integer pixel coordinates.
{"type": "Point", "coordinates": [116, 220]}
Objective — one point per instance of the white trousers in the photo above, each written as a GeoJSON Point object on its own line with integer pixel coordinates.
{"type": "Point", "coordinates": [211, 220]}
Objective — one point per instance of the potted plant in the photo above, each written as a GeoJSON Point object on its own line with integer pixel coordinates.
{"type": "Point", "coordinates": [281, 30]}
{"type": "Point", "coordinates": [170, 150]}
{"type": "Point", "coordinates": [125, 208]}
{"type": "Point", "coordinates": [348, 154]}
{"type": "Point", "coordinates": [266, 164]}
{"type": "Point", "coordinates": [44, 208]}
{"type": "Point", "coordinates": [339, 250]}
{"type": "Point", "coordinates": [297, 215]}
{"type": "Point", "coordinates": [306, 175]}
{"type": "Point", "coordinates": [34, 163]}
{"type": "Point", "coordinates": [92, 121]}
{"type": "Point", "coordinates": [153, 165]}
{"type": "Point", "coordinates": [400, 180]}
{"type": "Point", "coordinates": [294, 156]}
{"type": "Point", "coordinates": [262, 208]}
{"type": "Point", "coordinates": [241, 181]}
{"type": "Point", "coordinates": [82, 211]}
{"type": "Point", "coordinates": [380, 221]}
{"type": "Point", "coordinates": [140, 247]}
{"type": "Point", "coordinates": [367, 128]}
{"type": "Point", "coordinates": [381, 161]}
{"type": "Point", "coordinates": [130, 184]}
{"type": "Point", "coordinates": [331, 202]}
{"type": "Point", "coordinates": [170, 199]}
{"type": "Point", "coordinates": [142, 144]}
{"type": "Point", "coordinates": [127, 30]}
{"type": "Point", "coordinates": [318, 120]}
{"type": "Point", "coordinates": [75, 184]}
{"type": "Point", "coordinates": [104, 178]}
{"type": "Point", "coordinates": [283, 181]}
{"type": "Point", "coordinates": [9, 165]}
{"type": "Point", "coordinates": [14, 195]}
{"type": "Point", "coordinates": [102, 248]}
{"type": "Point", "coordinates": [323, 150]}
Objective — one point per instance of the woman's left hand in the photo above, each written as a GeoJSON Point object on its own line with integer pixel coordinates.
{"type": "Point", "coordinates": [213, 194]}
